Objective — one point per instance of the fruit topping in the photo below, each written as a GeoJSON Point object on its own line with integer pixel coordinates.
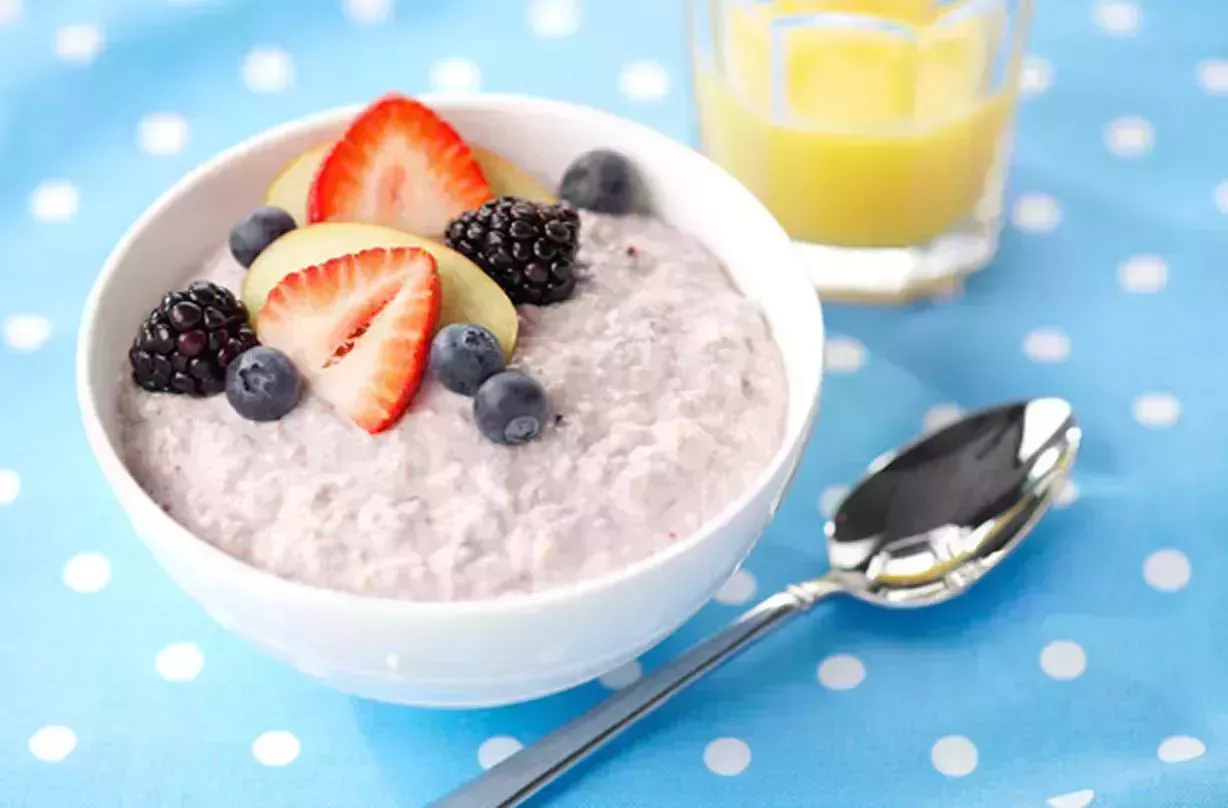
{"type": "Point", "coordinates": [528, 248]}
{"type": "Point", "coordinates": [358, 328]}
{"type": "Point", "coordinates": [508, 179]}
{"type": "Point", "coordinates": [262, 384]}
{"type": "Point", "coordinates": [400, 165]}
{"type": "Point", "coordinates": [468, 295]}
{"type": "Point", "coordinates": [463, 356]}
{"type": "Point", "coordinates": [603, 181]}
{"type": "Point", "coordinates": [185, 345]}
{"type": "Point", "coordinates": [293, 185]}
{"type": "Point", "coordinates": [252, 234]}
{"type": "Point", "coordinates": [510, 408]}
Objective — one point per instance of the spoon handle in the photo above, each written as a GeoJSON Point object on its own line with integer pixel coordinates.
{"type": "Point", "coordinates": [516, 779]}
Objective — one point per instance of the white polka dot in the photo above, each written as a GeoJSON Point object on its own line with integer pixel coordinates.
{"type": "Point", "coordinates": [1143, 274]}
{"type": "Point", "coordinates": [162, 134]}
{"type": "Point", "coordinates": [1075, 799]}
{"type": "Point", "coordinates": [1046, 345]}
{"type": "Point", "coordinates": [393, 661]}
{"type": "Point", "coordinates": [79, 43]}
{"type": "Point", "coordinates": [1118, 17]}
{"type": "Point", "coordinates": [10, 486]}
{"type": "Point", "coordinates": [1180, 749]}
{"type": "Point", "coordinates": [954, 756]}
{"type": "Point", "coordinates": [456, 75]}
{"type": "Point", "coordinates": [644, 81]}
{"type": "Point", "coordinates": [1129, 137]}
{"type": "Point", "coordinates": [841, 672]}
{"type": "Point", "coordinates": [553, 19]}
{"type": "Point", "coordinates": [52, 744]}
{"type": "Point", "coordinates": [1063, 659]}
{"type": "Point", "coordinates": [1036, 213]}
{"type": "Point", "coordinates": [876, 465]}
{"type": "Point", "coordinates": [10, 11]}
{"type": "Point", "coordinates": [276, 748]}
{"type": "Point", "coordinates": [367, 12]}
{"type": "Point", "coordinates": [1068, 494]}
{"type": "Point", "coordinates": [495, 750]}
{"type": "Point", "coordinates": [844, 355]}
{"type": "Point", "coordinates": [1221, 197]}
{"type": "Point", "coordinates": [26, 332]}
{"type": "Point", "coordinates": [940, 415]}
{"type": "Point", "coordinates": [1157, 410]}
{"type": "Point", "coordinates": [1213, 76]}
{"type": "Point", "coordinates": [267, 69]}
{"type": "Point", "coordinates": [830, 499]}
{"type": "Point", "coordinates": [623, 675]}
{"type": "Point", "coordinates": [738, 589]}
{"type": "Point", "coordinates": [180, 662]}
{"type": "Point", "coordinates": [727, 757]}
{"type": "Point", "coordinates": [1167, 570]}
{"type": "Point", "coordinates": [87, 573]}
{"type": "Point", "coordinates": [54, 201]}
{"type": "Point", "coordinates": [1036, 75]}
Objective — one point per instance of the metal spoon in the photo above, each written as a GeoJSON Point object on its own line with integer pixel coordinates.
{"type": "Point", "coordinates": [923, 525]}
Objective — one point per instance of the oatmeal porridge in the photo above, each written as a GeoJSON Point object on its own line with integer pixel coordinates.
{"type": "Point", "coordinates": [666, 399]}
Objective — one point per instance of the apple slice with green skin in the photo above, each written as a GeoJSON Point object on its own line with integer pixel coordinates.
{"type": "Point", "coordinates": [469, 295]}
{"type": "Point", "coordinates": [289, 190]}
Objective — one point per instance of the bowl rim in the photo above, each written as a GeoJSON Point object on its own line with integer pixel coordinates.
{"type": "Point", "coordinates": [133, 497]}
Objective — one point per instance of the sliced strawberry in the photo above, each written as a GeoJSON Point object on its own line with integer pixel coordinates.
{"type": "Point", "coordinates": [398, 165]}
{"type": "Point", "coordinates": [359, 329]}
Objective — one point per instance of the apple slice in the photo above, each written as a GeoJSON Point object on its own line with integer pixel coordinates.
{"type": "Point", "coordinates": [469, 295]}
{"type": "Point", "coordinates": [289, 190]}
{"type": "Point", "coordinates": [508, 179]}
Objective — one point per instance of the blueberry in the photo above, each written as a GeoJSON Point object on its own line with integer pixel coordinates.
{"type": "Point", "coordinates": [262, 384]}
{"type": "Point", "coordinates": [603, 181]}
{"type": "Point", "coordinates": [463, 356]}
{"type": "Point", "coordinates": [510, 408]}
{"type": "Point", "coordinates": [252, 234]}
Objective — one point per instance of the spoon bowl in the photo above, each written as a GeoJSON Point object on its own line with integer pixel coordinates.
{"type": "Point", "coordinates": [928, 521]}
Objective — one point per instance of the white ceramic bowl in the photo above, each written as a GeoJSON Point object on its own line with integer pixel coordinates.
{"type": "Point", "coordinates": [471, 653]}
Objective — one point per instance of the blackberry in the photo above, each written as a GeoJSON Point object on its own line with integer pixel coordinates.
{"type": "Point", "coordinates": [528, 248]}
{"type": "Point", "coordinates": [185, 345]}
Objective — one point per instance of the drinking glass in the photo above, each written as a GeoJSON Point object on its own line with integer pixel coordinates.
{"type": "Point", "coordinates": [878, 132]}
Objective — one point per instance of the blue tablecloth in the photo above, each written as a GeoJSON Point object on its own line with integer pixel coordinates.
{"type": "Point", "coordinates": [1088, 671]}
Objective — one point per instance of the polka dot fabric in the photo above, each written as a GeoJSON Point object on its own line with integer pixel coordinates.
{"type": "Point", "coordinates": [1088, 671]}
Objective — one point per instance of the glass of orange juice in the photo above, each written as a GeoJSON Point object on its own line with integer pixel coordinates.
{"type": "Point", "coordinates": [876, 131]}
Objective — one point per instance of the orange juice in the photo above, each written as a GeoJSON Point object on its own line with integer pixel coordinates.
{"type": "Point", "coordinates": [880, 135]}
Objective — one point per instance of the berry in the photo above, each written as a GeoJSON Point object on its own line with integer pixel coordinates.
{"type": "Point", "coordinates": [463, 356]}
{"type": "Point", "coordinates": [528, 248]}
{"type": "Point", "coordinates": [399, 165]}
{"type": "Point", "coordinates": [185, 345]}
{"type": "Point", "coordinates": [510, 408]}
{"type": "Point", "coordinates": [252, 234]}
{"type": "Point", "coordinates": [601, 180]}
{"type": "Point", "coordinates": [358, 328]}
{"type": "Point", "coordinates": [262, 384]}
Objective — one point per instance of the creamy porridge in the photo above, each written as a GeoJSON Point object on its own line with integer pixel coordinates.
{"type": "Point", "coordinates": [667, 399]}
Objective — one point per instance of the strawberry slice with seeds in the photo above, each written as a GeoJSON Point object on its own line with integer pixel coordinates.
{"type": "Point", "coordinates": [398, 165]}
{"type": "Point", "coordinates": [358, 328]}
